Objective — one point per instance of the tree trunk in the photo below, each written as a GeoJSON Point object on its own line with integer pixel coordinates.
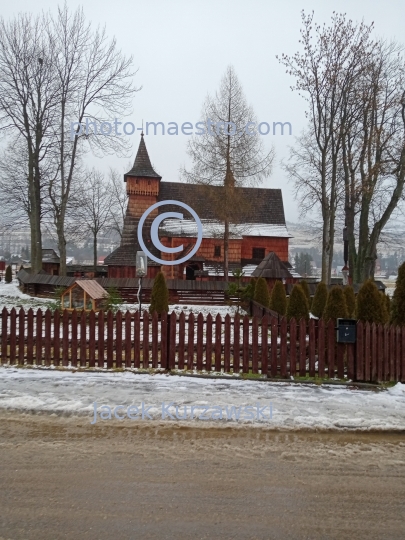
{"type": "Point", "coordinates": [226, 249]}
{"type": "Point", "coordinates": [95, 253]}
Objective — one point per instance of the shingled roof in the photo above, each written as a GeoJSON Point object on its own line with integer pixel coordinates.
{"type": "Point", "coordinates": [272, 267]}
{"type": "Point", "coordinates": [142, 166]}
{"type": "Point", "coordinates": [265, 205]}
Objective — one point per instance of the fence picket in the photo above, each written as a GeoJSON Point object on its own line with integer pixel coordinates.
{"type": "Point", "coordinates": [83, 339]}
{"type": "Point", "coordinates": [13, 337]}
{"type": "Point", "coordinates": [137, 340]}
{"type": "Point", "coordinates": [218, 346]}
{"type": "Point", "coordinates": [100, 340]}
{"type": "Point", "coordinates": [340, 356]}
{"type": "Point", "coordinates": [208, 343]}
{"type": "Point", "coordinates": [190, 342]}
{"type": "Point", "coordinates": [397, 353]}
{"type": "Point", "coordinates": [128, 339]}
{"type": "Point", "coordinates": [73, 346]}
{"type": "Point", "coordinates": [145, 341]}
{"type": "Point", "coordinates": [56, 338]}
{"type": "Point", "coordinates": [402, 374]}
{"type": "Point", "coordinates": [92, 338]}
{"type": "Point", "coordinates": [48, 337]}
{"type": "Point", "coordinates": [30, 337]}
{"type": "Point", "coordinates": [303, 348]}
{"type": "Point", "coordinates": [311, 336]}
{"type": "Point", "coordinates": [293, 347]}
{"type": "Point", "coordinates": [283, 347]}
{"type": "Point", "coordinates": [236, 344]}
{"type": "Point", "coordinates": [392, 353]}
{"type": "Point", "coordinates": [21, 336]}
{"type": "Point", "coordinates": [380, 353]}
{"type": "Point", "coordinates": [264, 366]}
{"type": "Point", "coordinates": [255, 342]}
{"type": "Point", "coordinates": [155, 340]}
{"type": "Point", "coordinates": [330, 343]}
{"type": "Point", "coordinates": [164, 341]}
{"type": "Point", "coordinates": [172, 350]}
{"type": "Point", "coordinates": [38, 339]}
{"type": "Point", "coordinates": [4, 326]}
{"type": "Point", "coordinates": [182, 340]}
{"type": "Point", "coordinates": [360, 351]}
{"type": "Point", "coordinates": [386, 353]}
{"type": "Point", "coordinates": [374, 351]}
{"type": "Point", "coordinates": [245, 360]}
{"type": "Point", "coordinates": [321, 348]}
{"type": "Point", "coordinates": [200, 342]}
{"type": "Point", "coordinates": [110, 339]}
{"type": "Point", "coordinates": [274, 346]}
{"type": "Point", "coordinates": [367, 352]}
{"type": "Point", "coordinates": [118, 339]}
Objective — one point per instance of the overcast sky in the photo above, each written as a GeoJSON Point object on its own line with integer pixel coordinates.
{"type": "Point", "coordinates": [181, 49]}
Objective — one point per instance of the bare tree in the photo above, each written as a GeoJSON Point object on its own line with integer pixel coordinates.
{"type": "Point", "coordinates": [55, 71]}
{"type": "Point", "coordinates": [229, 154]}
{"type": "Point", "coordinates": [96, 85]}
{"type": "Point", "coordinates": [96, 208]}
{"type": "Point", "coordinates": [328, 67]}
{"type": "Point", "coordinates": [373, 154]}
{"type": "Point", "coordinates": [118, 199]}
{"type": "Point", "coordinates": [28, 99]}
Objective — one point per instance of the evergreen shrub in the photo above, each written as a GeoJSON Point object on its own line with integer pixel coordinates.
{"type": "Point", "coordinates": [278, 298]}
{"type": "Point", "coordinates": [8, 277]}
{"type": "Point", "coordinates": [262, 295]}
{"type": "Point", "coordinates": [370, 304]}
{"type": "Point", "coordinates": [320, 299]}
{"type": "Point", "coordinates": [305, 288]}
{"type": "Point", "coordinates": [398, 300]}
{"type": "Point", "coordinates": [160, 295]}
{"type": "Point", "coordinates": [336, 307]}
{"type": "Point", "coordinates": [350, 300]}
{"type": "Point", "coordinates": [298, 304]}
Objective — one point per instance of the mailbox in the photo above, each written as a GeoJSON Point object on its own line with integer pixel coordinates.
{"type": "Point", "coordinates": [346, 331]}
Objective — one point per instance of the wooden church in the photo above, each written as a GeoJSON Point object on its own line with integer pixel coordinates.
{"type": "Point", "coordinates": [260, 228]}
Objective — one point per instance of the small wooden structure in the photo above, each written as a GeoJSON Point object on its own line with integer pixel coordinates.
{"type": "Point", "coordinates": [84, 294]}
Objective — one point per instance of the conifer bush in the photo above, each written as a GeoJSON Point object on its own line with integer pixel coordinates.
{"type": "Point", "coordinates": [305, 288]}
{"type": "Point", "coordinates": [350, 300]}
{"type": "Point", "coordinates": [398, 300]}
{"type": "Point", "coordinates": [298, 304]}
{"type": "Point", "coordinates": [8, 278]}
{"type": "Point", "coordinates": [249, 292]}
{"type": "Point", "coordinates": [319, 300]}
{"type": "Point", "coordinates": [262, 295]}
{"type": "Point", "coordinates": [336, 307]}
{"type": "Point", "coordinates": [278, 298]}
{"type": "Point", "coordinates": [113, 300]}
{"type": "Point", "coordinates": [160, 295]}
{"type": "Point", "coordinates": [370, 304]}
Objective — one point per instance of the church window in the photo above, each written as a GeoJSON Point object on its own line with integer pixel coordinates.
{"type": "Point", "coordinates": [258, 253]}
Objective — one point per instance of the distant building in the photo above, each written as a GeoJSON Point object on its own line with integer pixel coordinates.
{"type": "Point", "coordinates": [50, 261]}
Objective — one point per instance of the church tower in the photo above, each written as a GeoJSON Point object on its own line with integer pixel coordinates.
{"type": "Point", "coordinates": [143, 185]}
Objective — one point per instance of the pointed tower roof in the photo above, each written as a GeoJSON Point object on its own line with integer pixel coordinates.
{"type": "Point", "coordinates": [142, 165]}
{"type": "Point", "coordinates": [272, 267]}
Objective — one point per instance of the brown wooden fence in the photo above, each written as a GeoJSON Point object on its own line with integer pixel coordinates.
{"type": "Point", "coordinates": [212, 344]}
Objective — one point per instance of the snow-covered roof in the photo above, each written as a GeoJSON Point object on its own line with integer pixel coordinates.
{"type": "Point", "coordinates": [215, 229]}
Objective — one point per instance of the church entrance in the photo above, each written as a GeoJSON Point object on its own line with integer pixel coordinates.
{"type": "Point", "coordinates": [190, 271]}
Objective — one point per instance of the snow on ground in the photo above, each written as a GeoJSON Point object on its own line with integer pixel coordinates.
{"type": "Point", "coordinates": [11, 296]}
{"type": "Point", "coordinates": [294, 406]}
